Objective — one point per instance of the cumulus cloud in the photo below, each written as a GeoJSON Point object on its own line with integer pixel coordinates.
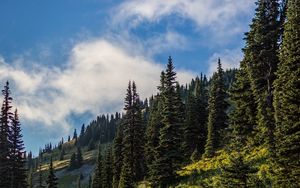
{"type": "Point", "coordinates": [229, 59]}
{"type": "Point", "coordinates": [94, 80]}
{"type": "Point", "coordinates": [220, 16]}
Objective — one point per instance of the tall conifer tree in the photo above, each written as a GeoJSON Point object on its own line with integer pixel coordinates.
{"type": "Point", "coordinates": [107, 174]}
{"type": "Point", "coordinates": [262, 43]}
{"type": "Point", "coordinates": [169, 155]}
{"type": "Point", "coordinates": [52, 179]}
{"type": "Point", "coordinates": [217, 117]}
{"type": "Point", "coordinates": [18, 160]}
{"type": "Point", "coordinates": [117, 156]}
{"type": "Point", "coordinates": [287, 101]}
{"type": "Point", "coordinates": [133, 140]}
{"type": "Point", "coordinates": [243, 116]}
{"type": "Point", "coordinates": [97, 178]}
{"type": "Point", "coordinates": [5, 133]}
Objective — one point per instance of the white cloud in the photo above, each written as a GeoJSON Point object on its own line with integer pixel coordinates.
{"type": "Point", "coordinates": [94, 80]}
{"type": "Point", "coordinates": [229, 59]}
{"type": "Point", "coordinates": [220, 16]}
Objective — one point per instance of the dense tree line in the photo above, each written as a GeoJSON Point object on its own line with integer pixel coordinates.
{"type": "Point", "coordinates": [257, 105]}
{"type": "Point", "coordinates": [12, 154]}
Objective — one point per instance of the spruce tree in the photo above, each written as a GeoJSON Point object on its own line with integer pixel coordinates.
{"type": "Point", "coordinates": [153, 128]}
{"type": "Point", "coordinates": [97, 178]}
{"type": "Point", "coordinates": [5, 142]}
{"type": "Point", "coordinates": [17, 154]}
{"type": "Point", "coordinates": [169, 155]}
{"type": "Point", "coordinates": [191, 127]}
{"type": "Point", "coordinates": [237, 173]}
{"type": "Point", "coordinates": [262, 43]}
{"type": "Point", "coordinates": [287, 100]}
{"type": "Point", "coordinates": [40, 180]}
{"type": "Point", "coordinates": [79, 158]}
{"type": "Point", "coordinates": [52, 179]}
{"type": "Point", "coordinates": [133, 140]}
{"type": "Point", "coordinates": [107, 175]}
{"type": "Point", "coordinates": [117, 156]}
{"type": "Point", "coordinates": [243, 116]}
{"type": "Point", "coordinates": [73, 162]}
{"type": "Point", "coordinates": [62, 153]}
{"type": "Point", "coordinates": [217, 117]}
{"type": "Point", "coordinates": [201, 99]}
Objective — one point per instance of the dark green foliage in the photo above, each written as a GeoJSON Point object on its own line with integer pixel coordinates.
{"type": "Point", "coordinates": [117, 156]}
{"type": "Point", "coordinates": [287, 101]}
{"type": "Point", "coordinates": [237, 173]}
{"type": "Point", "coordinates": [262, 49]}
{"type": "Point", "coordinates": [17, 155]}
{"type": "Point", "coordinates": [75, 134]}
{"type": "Point", "coordinates": [107, 174]}
{"type": "Point", "coordinates": [52, 179]}
{"type": "Point", "coordinates": [79, 158]}
{"type": "Point", "coordinates": [62, 153]}
{"type": "Point", "coordinates": [5, 142]}
{"type": "Point", "coordinates": [126, 179]}
{"type": "Point", "coordinates": [153, 127]}
{"type": "Point", "coordinates": [73, 162]}
{"type": "Point", "coordinates": [217, 117]}
{"type": "Point", "coordinates": [195, 120]}
{"type": "Point", "coordinates": [82, 130]}
{"type": "Point", "coordinates": [243, 116]}
{"type": "Point", "coordinates": [152, 133]}
{"type": "Point", "coordinates": [97, 178]}
{"type": "Point", "coordinates": [169, 155]}
{"type": "Point", "coordinates": [40, 173]}
{"type": "Point", "coordinates": [133, 167]}
{"type": "Point", "coordinates": [76, 160]}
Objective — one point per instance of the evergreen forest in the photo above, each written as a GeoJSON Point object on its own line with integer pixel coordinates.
{"type": "Point", "coordinates": [238, 128]}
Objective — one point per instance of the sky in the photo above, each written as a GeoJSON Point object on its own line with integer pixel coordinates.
{"type": "Point", "coordinates": [68, 61]}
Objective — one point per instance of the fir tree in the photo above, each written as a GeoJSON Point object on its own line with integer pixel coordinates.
{"type": "Point", "coordinates": [52, 179]}
{"type": "Point", "coordinates": [17, 154]}
{"type": "Point", "coordinates": [153, 128]}
{"type": "Point", "coordinates": [237, 173]}
{"type": "Point", "coordinates": [117, 156]}
{"type": "Point", "coordinates": [217, 118]}
{"type": "Point", "coordinates": [191, 127]}
{"type": "Point", "coordinates": [169, 156]}
{"type": "Point", "coordinates": [262, 49]}
{"type": "Point", "coordinates": [97, 178]}
{"type": "Point", "coordinates": [5, 142]}
{"type": "Point", "coordinates": [243, 116]}
{"type": "Point", "coordinates": [133, 140]}
{"type": "Point", "coordinates": [201, 99]}
{"type": "Point", "coordinates": [79, 158]}
{"type": "Point", "coordinates": [107, 175]}
{"type": "Point", "coordinates": [40, 180]}
{"type": "Point", "coordinates": [73, 162]}
{"type": "Point", "coordinates": [62, 153]}
{"type": "Point", "coordinates": [287, 100]}
{"type": "Point", "coordinates": [75, 134]}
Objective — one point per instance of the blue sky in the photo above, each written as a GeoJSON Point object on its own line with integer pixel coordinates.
{"type": "Point", "coordinates": [69, 60]}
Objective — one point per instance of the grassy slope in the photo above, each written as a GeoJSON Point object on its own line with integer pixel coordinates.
{"type": "Point", "coordinates": [68, 179]}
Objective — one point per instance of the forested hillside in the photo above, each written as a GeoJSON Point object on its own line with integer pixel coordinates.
{"type": "Point", "coordinates": [236, 128]}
